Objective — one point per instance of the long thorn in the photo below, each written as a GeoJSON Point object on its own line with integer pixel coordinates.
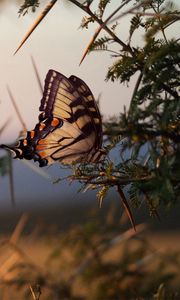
{"type": "Point", "coordinates": [36, 23]}
{"type": "Point", "coordinates": [126, 206]}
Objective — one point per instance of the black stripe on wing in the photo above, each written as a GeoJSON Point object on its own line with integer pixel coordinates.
{"type": "Point", "coordinates": [91, 104]}
{"type": "Point", "coordinates": [71, 100]}
{"type": "Point", "coordinates": [50, 91]}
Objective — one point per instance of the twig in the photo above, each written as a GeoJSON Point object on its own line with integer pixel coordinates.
{"type": "Point", "coordinates": [110, 181]}
{"type": "Point", "coordinates": [131, 10]}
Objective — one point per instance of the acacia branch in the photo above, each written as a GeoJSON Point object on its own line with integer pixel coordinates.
{"type": "Point", "coordinates": [146, 134]}
{"type": "Point", "coordinates": [113, 181]}
{"type": "Point", "coordinates": [98, 30]}
{"type": "Point", "coordinates": [101, 23]}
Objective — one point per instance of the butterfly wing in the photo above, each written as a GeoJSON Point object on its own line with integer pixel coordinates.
{"type": "Point", "coordinates": [69, 128]}
{"type": "Point", "coordinates": [91, 105]}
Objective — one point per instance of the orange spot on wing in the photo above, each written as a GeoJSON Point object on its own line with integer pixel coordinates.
{"type": "Point", "coordinates": [39, 147]}
{"type": "Point", "coordinates": [42, 154]}
{"type": "Point", "coordinates": [55, 122]}
{"type": "Point", "coordinates": [42, 142]}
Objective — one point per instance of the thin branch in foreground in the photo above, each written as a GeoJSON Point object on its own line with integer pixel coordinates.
{"type": "Point", "coordinates": [130, 11]}
{"type": "Point", "coordinates": [36, 23]}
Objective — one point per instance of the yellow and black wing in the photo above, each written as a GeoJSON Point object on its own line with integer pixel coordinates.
{"type": "Point", "coordinates": [69, 128]}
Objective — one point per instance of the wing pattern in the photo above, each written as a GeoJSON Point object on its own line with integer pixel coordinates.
{"type": "Point", "coordinates": [69, 128]}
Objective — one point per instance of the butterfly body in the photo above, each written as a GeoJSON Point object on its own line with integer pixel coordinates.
{"type": "Point", "coordinates": [69, 128]}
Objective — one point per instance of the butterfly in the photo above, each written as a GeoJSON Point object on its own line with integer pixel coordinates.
{"type": "Point", "coordinates": [69, 128]}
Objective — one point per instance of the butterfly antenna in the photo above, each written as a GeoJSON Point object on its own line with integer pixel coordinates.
{"type": "Point", "coordinates": [37, 74]}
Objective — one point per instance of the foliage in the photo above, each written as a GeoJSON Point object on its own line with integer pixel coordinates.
{"type": "Point", "coordinates": [27, 4]}
{"type": "Point", "coordinates": [150, 128]}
